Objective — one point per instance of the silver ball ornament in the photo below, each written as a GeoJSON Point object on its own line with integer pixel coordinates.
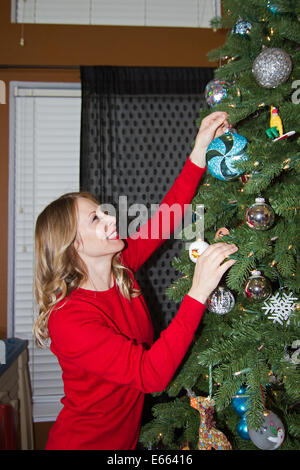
{"type": "Point", "coordinates": [260, 216]}
{"type": "Point", "coordinates": [220, 301]}
{"type": "Point", "coordinates": [271, 434]}
{"type": "Point", "coordinates": [272, 67]}
{"type": "Point", "coordinates": [257, 287]}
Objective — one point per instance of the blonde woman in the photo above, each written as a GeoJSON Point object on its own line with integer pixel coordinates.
{"type": "Point", "coordinates": [91, 308]}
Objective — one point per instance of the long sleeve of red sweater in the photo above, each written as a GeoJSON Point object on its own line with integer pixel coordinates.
{"type": "Point", "coordinates": [166, 219]}
{"type": "Point", "coordinates": [88, 342]}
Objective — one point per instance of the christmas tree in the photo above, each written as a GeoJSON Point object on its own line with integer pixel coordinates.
{"type": "Point", "coordinates": [245, 357]}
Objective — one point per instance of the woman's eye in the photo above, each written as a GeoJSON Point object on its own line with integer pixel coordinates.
{"type": "Point", "coordinates": [95, 217]}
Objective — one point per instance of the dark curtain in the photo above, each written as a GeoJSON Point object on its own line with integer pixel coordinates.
{"type": "Point", "coordinates": [137, 129]}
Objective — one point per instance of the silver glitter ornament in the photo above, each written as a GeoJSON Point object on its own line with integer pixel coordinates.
{"type": "Point", "coordinates": [272, 67]}
{"type": "Point", "coordinates": [257, 287]}
{"type": "Point", "coordinates": [260, 216]}
{"type": "Point", "coordinates": [242, 28]}
{"type": "Point", "coordinates": [220, 301]}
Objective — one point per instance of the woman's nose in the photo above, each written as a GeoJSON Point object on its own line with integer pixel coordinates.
{"type": "Point", "coordinates": [105, 215]}
{"type": "Point", "coordinates": [110, 218]}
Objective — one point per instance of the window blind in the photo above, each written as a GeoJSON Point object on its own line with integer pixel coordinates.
{"type": "Point", "coordinates": [180, 13]}
{"type": "Point", "coordinates": [45, 132]}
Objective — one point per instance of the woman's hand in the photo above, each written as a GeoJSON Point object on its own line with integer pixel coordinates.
{"type": "Point", "coordinates": [209, 270]}
{"type": "Point", "coordinates": [212, 126]}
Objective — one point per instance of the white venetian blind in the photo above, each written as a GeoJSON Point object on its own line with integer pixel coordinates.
{"type": "Point", "coordinates": [45, 161]}
{"type": "Point", "coordinates": [180, 13]}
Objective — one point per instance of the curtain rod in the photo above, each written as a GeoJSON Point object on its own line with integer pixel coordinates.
{"type": "Point", "coordinates": [47, 67]}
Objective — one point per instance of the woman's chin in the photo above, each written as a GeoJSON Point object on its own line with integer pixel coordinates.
{"type": "Point", "coordinates": [118, 242]}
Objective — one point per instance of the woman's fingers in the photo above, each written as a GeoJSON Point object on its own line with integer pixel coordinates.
{"type": "Point", "coordinates": [222, 129]}
{"type": "Point", "coordinates": [225, 266]}
{"type": "Point", "coordinates": [209, 269]}
{"type": "Point", "coordinates": [217, 251]}
{"type": "Point", "coordinates": [217, 121]}
{"type": "Point", "coordinates": [216, 254]}
{"type": "Point", "coordinates": [216, 115]}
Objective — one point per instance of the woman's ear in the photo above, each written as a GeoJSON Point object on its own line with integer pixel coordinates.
{"type": "Point", "coordinates": [77, 243]}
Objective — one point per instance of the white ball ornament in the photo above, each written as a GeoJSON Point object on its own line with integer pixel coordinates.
{"type": "Point", "coordinates": [196, 249]}
{"type": "Point", "coordinates": [271, 434]}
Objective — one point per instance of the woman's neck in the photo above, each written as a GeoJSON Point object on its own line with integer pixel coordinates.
{"type": "Point", "coordinates": [98, 283]}
{"type": "Point", "coordinates": [99, 278]}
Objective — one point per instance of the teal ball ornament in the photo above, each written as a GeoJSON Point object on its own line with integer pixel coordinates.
{"type": "Point", "coordinates": [242, 429]}
{"type": "Point", "coordinates": [281, 7]}
{"type": "Point", "coordinates": [239, 402]}
{"type": "Point", "coordinates": [223, 153]}
{"type": "Point", "coordinates": [273, 7]}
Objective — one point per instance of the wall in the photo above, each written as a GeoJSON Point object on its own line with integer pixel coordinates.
{"type": "Point", "coordinates": [54, 53]}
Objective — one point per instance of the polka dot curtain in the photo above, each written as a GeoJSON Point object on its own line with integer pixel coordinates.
{"type": "Point", "coordinates": [138, 125]}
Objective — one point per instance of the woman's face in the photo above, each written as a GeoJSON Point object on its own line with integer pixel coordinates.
{"type": "Point", "coordinates": [96, 231]}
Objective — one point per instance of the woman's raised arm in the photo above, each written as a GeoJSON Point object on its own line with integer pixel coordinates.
{"type": "Point", "coordinates": [170, 213]}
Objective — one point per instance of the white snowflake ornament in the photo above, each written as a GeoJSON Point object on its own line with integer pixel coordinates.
{"type": "Point", "coordinates": [279, 306]}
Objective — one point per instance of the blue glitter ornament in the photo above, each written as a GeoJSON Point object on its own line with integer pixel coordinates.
{"type": "Point", "coordinates": [215, 91]}
{"type": "Point", "coordinates": [242, 429]}
{"type": "Point", "coordinates": [242, 28]}
{"type": "Point", "coordinates": [222, 154]}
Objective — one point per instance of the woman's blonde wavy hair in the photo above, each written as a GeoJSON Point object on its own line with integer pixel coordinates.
{"type": "Point", "coordinates": [58, 267]}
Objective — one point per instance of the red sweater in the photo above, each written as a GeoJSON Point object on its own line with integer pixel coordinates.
{"type": "Point", "coordinates": [104, 344]}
